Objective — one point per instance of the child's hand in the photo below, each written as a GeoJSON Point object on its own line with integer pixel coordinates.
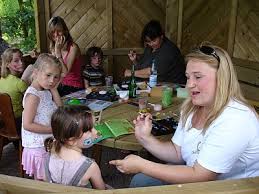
{"type": "Point", "coordinates": [19, 68]}
{"type": "Point", "coordinates": [127, 73]}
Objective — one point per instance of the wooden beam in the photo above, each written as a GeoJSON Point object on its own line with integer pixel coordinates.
{"type": "Point", "coordinates": [171, 19]}
{"type": "Point", "coordinates": [40, 25]}
{"type": "Point", "coordinates": [180, 24]}
{"type": "Point", "coordinates": [109, 5]}
{"type": "Point", "coordinates": [232, 27]}
{"type": "Point", "coordinates": [246, 63]}
{"type": "Point", "coordinates": [15, 185]}
{"type": "Point", "coordinates": [121, 51]}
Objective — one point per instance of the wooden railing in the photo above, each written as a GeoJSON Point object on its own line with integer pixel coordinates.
{"type": "Point", "coordinates": [15, 185]}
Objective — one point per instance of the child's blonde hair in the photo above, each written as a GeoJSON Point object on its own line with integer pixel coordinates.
{"type": "Point", "coordinates": [7, 57]}
{"type": "Point", "coordinates": [45, 59]}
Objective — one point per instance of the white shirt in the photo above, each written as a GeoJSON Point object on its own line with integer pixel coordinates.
{"type": "Point", "coordinates": [45, 110]}
{"type": "Point", "coordinates": [229, 147]}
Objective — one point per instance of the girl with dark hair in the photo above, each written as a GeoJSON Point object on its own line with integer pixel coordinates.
{"type": "Point", "coordinates": [73, 129]}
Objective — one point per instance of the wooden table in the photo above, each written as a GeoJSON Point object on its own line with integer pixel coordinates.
{"type": "Point", "coordinates": [130, 112]}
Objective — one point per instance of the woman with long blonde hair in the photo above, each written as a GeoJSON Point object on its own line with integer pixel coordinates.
{"type": "Point", "coordinates": [217, 136]}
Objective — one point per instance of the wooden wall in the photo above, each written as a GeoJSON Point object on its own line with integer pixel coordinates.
{"type": "Point", "coordinates": [117, 24]}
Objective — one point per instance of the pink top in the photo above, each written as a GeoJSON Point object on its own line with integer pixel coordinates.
{"type": "Point", "coordinates": [73, 78]}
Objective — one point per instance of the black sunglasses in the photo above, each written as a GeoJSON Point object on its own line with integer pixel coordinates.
{"type": "Point", "coordinates": [209, 51]}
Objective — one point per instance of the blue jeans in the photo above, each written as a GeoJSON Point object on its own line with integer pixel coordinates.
{"type": "Point", "coordinates": [142, 180]}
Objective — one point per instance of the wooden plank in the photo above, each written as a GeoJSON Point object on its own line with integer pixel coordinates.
{"type": "Point", "coordinates": [249, 91]}
{"type": "Point", "coordinates": [232, 27]}
{"type": "Point", "coordinates": [65, 8]}
{"type": "Point", "coordinates": [246, 63]}
{"type": "Point", "coordinates": [54, 4]}
{"type": "Point", "coordinates": [247, 31]}
{"type": "Point", "coordinates": [239, 186]}
{"type": "Point", "coordinates": [171, 19]}
{"type": "Point", "coordinates": [122, 51]}
{"type": "Point", "coordinates": [205, 21]}
{"type": "Point", "coordinates": [3, 191]}
{"type": "Point", "coordinates": [100, 39]}
{"type": "Point", "coordinates": [248, 75]}
{"type": "Point", "coordinates": [15, 185]}
{"type": "Point", "coordinates": [40, 24]}
{"type": "Point", "coordinates": [78, 11]}
{"type": "Point", "coordinates": [179, 24]}
{"type": "Point", "coordinates": [94, 28]}
{"type": "Point", "coordinates": [109, 3]}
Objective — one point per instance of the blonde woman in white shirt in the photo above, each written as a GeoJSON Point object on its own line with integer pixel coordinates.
{"type": "Point", "coordinates": [218, 132]}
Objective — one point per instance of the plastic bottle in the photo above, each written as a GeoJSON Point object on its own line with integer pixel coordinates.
{"type": "Point", "coordinates": [132, 85]}
{"type": "Point", "coordinates": [153, 75]}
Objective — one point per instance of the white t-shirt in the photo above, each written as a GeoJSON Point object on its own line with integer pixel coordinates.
{"type": "Point", "coordinates": [45, 110]}
{"type": "Point", "coordinates": [229, 147]}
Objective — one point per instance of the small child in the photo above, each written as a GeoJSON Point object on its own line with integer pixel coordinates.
{"type": "Point", "coordinates": [10, 83]}
{"type": "Point", "coordinates": [40, 101]}
{"type": "Point", "coordinates": [73, 130]}
{"type": "Point", "coordinates": [93, 73]}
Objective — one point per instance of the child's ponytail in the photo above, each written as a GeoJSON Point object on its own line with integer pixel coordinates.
{"type": "Point", "coordinates": [48, 144]}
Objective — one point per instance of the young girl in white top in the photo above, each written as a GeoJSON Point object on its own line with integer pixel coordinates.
{"type": "Point", "coordinates": [73, 130]}
{"type": "Point", "coordinates": [40, 101]}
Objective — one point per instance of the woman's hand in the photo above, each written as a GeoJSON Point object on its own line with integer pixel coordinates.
{"type": "Point", "coordinates": [132, 56]}
{"type": "Point", "coordinates": [129, 165]}
{"type": "Point", "coordinates": [59, 43]}
{"type": "Point", "coordinates": [143, 126]}
{"type": "Point", "coordinates": [34, 53]}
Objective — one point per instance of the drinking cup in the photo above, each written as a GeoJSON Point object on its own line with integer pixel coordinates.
{"type": "Point", "coordinates": [142, 103]}
{"type": "Point", "coordinates": [108, 81]}
{"type": "Point", "coordinates": [167, 96]}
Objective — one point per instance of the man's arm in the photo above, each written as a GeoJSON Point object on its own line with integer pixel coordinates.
{"type": "Point", "coordinates": [141, 73]}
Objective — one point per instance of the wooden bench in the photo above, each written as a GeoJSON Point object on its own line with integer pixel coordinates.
{"type": "Point", "coordinates": [15, 185]}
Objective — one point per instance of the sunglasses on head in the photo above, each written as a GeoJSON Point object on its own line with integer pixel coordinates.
{"type": "Point", "coordinates": [209, 51]}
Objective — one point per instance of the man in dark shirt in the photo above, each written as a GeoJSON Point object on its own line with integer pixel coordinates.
{"type": "Point", "coordinates": [169, 60]}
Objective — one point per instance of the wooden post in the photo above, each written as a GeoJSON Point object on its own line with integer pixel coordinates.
{"type": "Point", "coordinates": [232, 27]}
{"type": "Point", "coordinates": [171, 19]}
{"type": "Point", "coordinates": [110, 35]}
{"type": "Point", "coordinates": [180, 24]}
{"type": "Point", "coordinates": [40, 25]}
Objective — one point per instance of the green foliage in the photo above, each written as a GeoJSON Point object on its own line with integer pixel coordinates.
{"type": "Point", "coordinates": [18, 24]}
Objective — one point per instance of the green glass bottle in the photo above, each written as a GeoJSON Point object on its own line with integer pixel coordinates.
{"type": "Point", "coordinates": [132, 85]}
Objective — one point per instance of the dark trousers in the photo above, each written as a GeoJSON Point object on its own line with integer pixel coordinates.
{"type": "Point", "coordinates": [65, 90]}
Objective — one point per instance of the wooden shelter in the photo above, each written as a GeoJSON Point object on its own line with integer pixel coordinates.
{"type": "Point", "coordinates": [116, 25]}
